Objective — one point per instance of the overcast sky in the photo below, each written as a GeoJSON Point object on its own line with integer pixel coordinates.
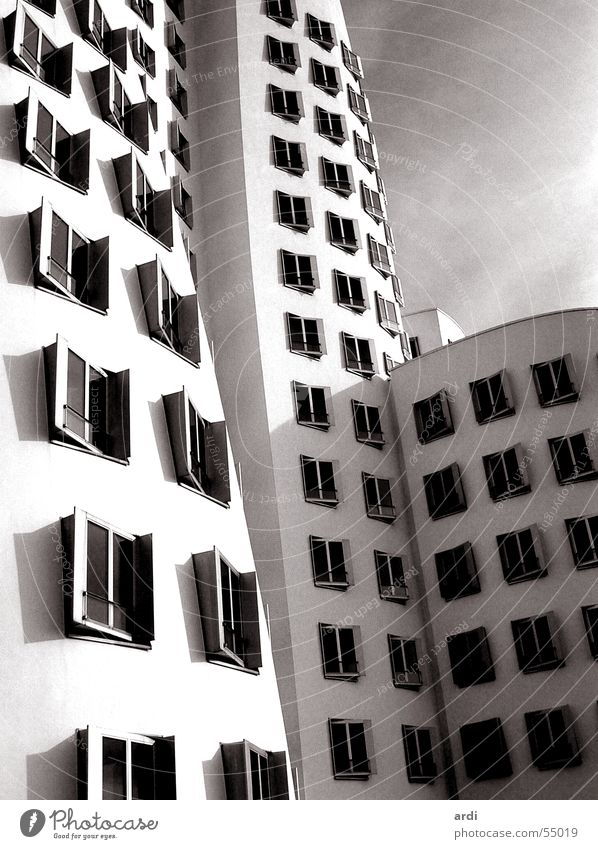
{"type": "Point", "coordinates": [486, 116]}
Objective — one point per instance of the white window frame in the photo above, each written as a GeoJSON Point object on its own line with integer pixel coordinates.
{"type": "Point", "coordinates": [283, 147]}
{"type": "Point", "coordinates": [325, 544]}
{"type": "Point", "coordinates": [300, 205]}
{"type": "Point", "coordinates": [419, 774]}
{"type": "Point", "coordinates": [373, 203]}
{"type": "Point", "coordinates": [325, 425]}
{"type": "Point", "coordinates": [358, 104]}
{"type": "Point", "coordinates": [278, 56]}
{"type": "Point", "coordinates": [380, 257]}
{"type": "Point", "coordinates": [588, 451]}
{"type": "Point", "coordinates": [573, 395]}
{"type": "Point", "coordinates": [571, 524]}
{"type": "Point", "coordinates": [352, 773]}
{"type": "Point", "coordinates": [372, 416]}
{"type": "Point", "coordinates": [340, 180]}
{"type": "Point", "coordinates": [315, 28]}
{"type": "Point", "coordinates": [352, 61]}
{"type": "Point", "coordinates": [362, 151]}
{"type": "Point", "coordinates": [342, 674]}
{"type": "Point", "coordinates": [292, 317]}
{"type": "Point", "coordinates": [394, 589]}
{"type": "Point", "coordinates": [298, 271]}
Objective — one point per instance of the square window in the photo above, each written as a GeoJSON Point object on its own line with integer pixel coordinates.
{"type": "Point", "coordinates": [321, 32]}
{"type": "Point", "coordinates": [281, 11]}
{"type": "Point", "coordinates": [319, 481]}
{"type": "Point", "coordinates": [470, 658]}
{"type": "Point", "coordinates": [312, 404]}
{"type": "Point", "coordinates": [457, 572]}
{"type": "Point", "coordinates": [485, 751]}
{"type": "Point", "coordinates": [506, 473]}
{"type": "Point", "coordinates": [551, 737]}
{"type": "Point", "coordinates": [573, 457]}
{"type": "Point", "coordinates": [378, 498]}
{"type": "Point", "coordinates": [583, 539]}
{"type": "Point", "coordinates": [444, 492]}
{"type": "Point", "coordinates": [391, 577]}
{"type": "Point", "coordinates": [343, 233]}
{"type": "Point", "coordinates": [330, 561]}
{"type": "Point", "coordinates": [491, 398]}
{"type": "Point", "coordinates": [325, 77]}
{"type": "Point", "coordinates": [419, 755]}
{"type": "Point", "coordinates": [536, 643]}
{"type": "Point", "coordinates": [340, 652]}
{"type": "Point", "coordinates": [521, 555]}
{"type": "Point", "coordinates": [555, 381]}
{"type": "Point", "coordinates": [351, 748]}
{"type": "Point", "coordinates": [350, 291]}
{"type": "Point", "coordinates": [285, 104]}
{"type": "Point", "coordinates": [305, 336]}
{"type": "Point", "coordinates": [331, 126]}
{"type": "Point", "coordinates": [404, 663]}
{"type": "Point", "coordinates": [289, 156]}
{"type": "Point", "coordinates": [298, 271]}
{"type": "Point", "coordinates": [250, 773]}
{"type": "Point", "coordinates": [358, 355]}
{"type": "Point", "coordinates": [294, 212]}
{"type": "Point", "coordinates": [337, 177]}
{"type": "Point", "coordinates": [433, 418]}
{"type": "Point", "coordinates": [283, 54]}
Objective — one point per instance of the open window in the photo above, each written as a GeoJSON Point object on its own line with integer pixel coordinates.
{"type": "Point", "coordinates": [319, 481]}
{"type": "Point", "coordinates": [96, 31]}
{"type": "Point", "coordinates": [341, 652]}
{"type": "Point", "coordinates": [47, 146]}
{"type": "Point", "coordinates": [172, 319]}
{"type": "Point", "coordinates": [175, 44]}
{"type": "Point", "coordinates": [331, 126]}
{"type": "Point", "coordinates": [351, 748]}
{"type": "Point", "coordinates": [143, 54]}
{"type": "Point", "coordinates": [250, 773]}
{"type": "Point", "coordinates": [457, 572]}
{"type": "Point", "coordinates": [521, 555]}
{"type": "Point", "coordinates": [419, 754]}
{"type": "Point", "coordinates": [351, 292]}
{"type": "Point", "coordinates": [299, 271]}
{"type": "Point", "coordinates": [444, 492]}
{"type": "Point", "coordinates": [130, 119]}
{"type": "Point", "coordinates": [330, 562]}
{"type": "Point", "coordinates": [313, 405]}
{"type": "Point", "coordinates": [229, 611]}
{"type": "Point", "coordinates": [30, 50]}
{"type": "Point", "coordinates": [552, 739]}
{"type": "Point", "coordinates": [321, 32]}
{"type": "Point", "coordinates": [391, 577]}
{"type": "Point", "coordinates": [177, 92]}
{"type": "Point", "coordinates": [283, 54]}
{"type": "Point", "coordinates": [143, 205]}
{"type": "Point", "coordinates": [378, 498]}
{"type": "Point", "coordinates": [88, 406]}
{"type": "Point", "coordinates": [286, 104]}
{"type": "Point", "coordinates": [485, 751]}
{"type": "Point", "coordinates": [119, 766]}
{"type": "Point", "coordinates": [359, 355]}
{"type": "Point", "coordinates": [182, 201]}
{"type": "Point", "coordinates": [107, 582]}
{"type": "Point", "coordinates": [433, 418]}
{"type": "Point", "coordinates": [145, 10]}
{"type": "Point", "coordinates": [352, 61]}
{"type": "Point", "coordinates": [282, 11]}
{"type": "Point", "coordinates": [471, 661]}
{"type": "Point", "coordinates": [67, 263]}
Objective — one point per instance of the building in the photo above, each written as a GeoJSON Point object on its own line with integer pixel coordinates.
{"type": "Point", "coordinates": [135, 653]}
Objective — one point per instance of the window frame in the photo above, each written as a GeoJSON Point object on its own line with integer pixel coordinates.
{"type": "Point", "coordinates": [505, 389]}
{"type": "Point", "coordinates": [463, 566]}
{"type": "Point", "coordinates": [334, 498]}
{"type": "Point", "coordinates": [325, 545]}
{"type": "Point", "coordinates": [352, 61]}
{"type": "Point", "coordinates": [340, 181]}
{"type": "Point", "coordinates": [364, 368]}
{"type": "Point", "coordinates": [380, 257]}
{"type": "Point", "coordinates": [566, 398]}
{"type": "Point", "coordinates": [355, 304]}
{"type": "Point", "coordinates": [388, 316]}
{"type": "Point", "coordinates": [378, 510]}
{"type": "Point", "coordinates": [325, 77]}
{"type": "Point", "coordinates": [534, 720]}
{"type": "Point", "coordinates": [279, 55]}
{"type": "Point", "coordinates": [349, 674]}
{"type": "Point", "coordinates": [328, 421]}
{"type": "Point", "coordinates": [299, 207]}
{"type": "Point", "coordinates": [556, 446]}
{"type": "Point", "coordinates": [313, 273]}
{"type": "Point", "coordinates": [312, 350]}
{"type": "Point", "coordinates": [491, 729]}
{"type": "Point", "coordinates": [590, 620]}
{"type": "Point", "coordinates": [373, 435]}
{"type": "Point", "coordinates": [365, 733]}
{"type": "Point", "coordinates": [316, 30]}
{"type": "Point", "coordinates": [284, 93]}
{"type": "Point", "coordinates": [350, 243]}
{"type": "Point", "coordinates": [490, 462]}
{"type": "Point", "coordinates": [369, 160]}
{"type": "Point", "coordinates": [286, 20]}
{"type": "Point", "coordinates": [526, 625]}
{"type": "Point", "coordinates": [570, 525]}
{"type": "Point", "coordinates": [469, 651]}
{"type": "Point", "coordinates": [419, 769]}
{"type": "Point", "coordinates": [428, 406]}
{"type": "Point", "coordinates": [51, 65]}
{"type": "Point", "coordinates": [324, 116]}
{"type": "Point", "coordinates": [377, 211]}
{"type": "Point", "coordinates": [395, 587]}
{"type": "Point", "coordinates": [435, 509]}
{"type": "Point", "coordinates": [404, 677]}
{"type": "Point", "coordinates": [358, 104]}
{"type": "Point", "coordinates": [516, 574]}
{"type": "Point", "coordinates": [285, 151]}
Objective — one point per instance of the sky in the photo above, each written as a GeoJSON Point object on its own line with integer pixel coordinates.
{"type": "Point", "coordinates": [486, 120]}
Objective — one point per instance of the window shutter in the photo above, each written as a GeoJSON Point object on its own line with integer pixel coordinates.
{"type": "Point", "coordinates": [102, 79]}
{"type": "Point", "coordinates": [26, 118]}
{"type": "Point", "coordinates": [446, 409]}
{"type": "Point", "coordinates": [84, 12]}
{"type": "Point", "coordinates": [277, 769]}
{"type": "Point", "coordinates": [61, 68]}
{"type": "Point", "coordinates": [143, 591]}
{"type": "Point", "coordinates": [118, 48]}
{"type": "Point", "coordinates": [206, 568]}
{"type": "Point", "coordinates": [164, 768]}
{"type": "Point", "coordinates": [178, 431]}
{"type": "Point", "coordinates": [161, 216]}
{"type": "Point", "coordinates": [458, 486]}
{"type": "Point", "coordinates": [98, 265]}
{"type": "Point", "coordinates": [507, 389]}
{"type": "Point", "coordinates": [119, 436]}
{"type": "Point", "coordinates": [217, 461]}
{"type": "Point", "coordinates": [140, 125]}
{"type": "Point", "coordinates": [124, 169]}
{"type": "Point", "coordinates": [82, 763]}
{"type": "Point", "coordinates": [188, 327]}
{"type": "Point", "coordinates": [40, 231]}
{"type": "Point", "coordinates": [55, 365]}
{"type": "Point", "coordinates": [13, 28]}
{"type": "Point", "coordinates": [173, 135]}
{"type": "Point", "coordinates": [149, 281]}
{"type": "Point", "coordinates": [235, 770]}
{"type": "Point", "coordinates": [78, 164]}
{"type": "Point", "coordinates": [252, 654]}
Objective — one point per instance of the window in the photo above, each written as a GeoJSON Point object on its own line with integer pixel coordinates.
{"type": "Point", "coordinates": [536, 643]}
{"type": "Point", "coordinates": [339, 652]}
{"type": "Point", "coordinates": [299, 271]}
{"type": "Point", "coordinates": [46, 146]}
{"type": "Point", "coordinates": [182, 201]}
{"type": "Point", "coordinates": [283, 54]}
{"type": "Point", "coordinates": [251, 773]}
{"type": "Point", "coordinates": [172, 319]}
{"type": "Point", "coordinates": [506, 473]}
{"type": "Point", "coordinates": [365, 152]}
{"type": "Point", "coordinates": [146, 207]}
{"type": "Point", "coordinates": [350, 291]}
{"type": "Point", "coordinates": [281, 11]}
{"type": "Point", "coordinates": [379, 257]}
{"type": "Point", "coordinates": [433, 417]}
{"type": "Point", "coordinates": [573, 457]}
{"type": "Point", "coordinates": [590, 620]}
{"type": "Point", "coordinates": [551, 737]}
{"type": "Point", "coordinates": [331, 126]}
{"type": "Point", "coordinates": [343, 233]}
{"type": "Point", "coordinates": [521, 555]}
{"type": "Point", "coordinates": [358, 355]}
{"type": "Point", "coordinates": [286, 104]}
{"type": "Point", "coordinates": [114, 766]}
{"type": "Point", "coordinates": [444, 492]}
{"type": "Point", "coordinates": [457, 572]}
{"type": "Point", "coordinates": [107, 582]}
{"type": "Point", "coordinates": [387, 315]}
{"type": "Point", "coordinates": [199, 448]}
{"type": "Point", "coordinates": [31, 51]}
{"type": "Point", "coordinates": [378, 498]}
{"type": "Point", "coordinates": [358, 104]}
{"type": "Point", "coordinates": [322, 32]}
{"type": "Point", "coordinates": [178, 8]}
{"type": "Point", "coordinates": [130, 119]}
{"type": "Point", "coordinates": [179, 146]}
{"type": "Point", "coordinates": [390, 239]}
{"type": "Point", "coordinates": [583, 539]}
{"type": "Point", "coordinates": [372, 203]}
{"type": "Point", "coordinates": [318, 481]}
{"type": "Point", "coordinates": [88, 407]}
{"type": "Point", "coordinates": [325, 77]}
{"type": "Point", "coordinates": [330, 560]}
{"type": "Point", "coordinates": [47, 6]}
{"type": "Point", "coordinates": [555, 381]}
{"type": "Point", "coordinates": [95, 30]}
{"type": "Point", "coordinates": [305, 336]}
{"type": "Point", "coordinates": [145, 9]}
{"type": "Point", "coordinates": [337, 177]}
{"type": "Point", "coordinates": [177, 92]}
{"type": "Point", "coordinates": [471, 662]}
{"type": "Point", "coordinates": [67, 263]}
{"type": "Point", "coordinates": [294, 212]}
{"type": "Point", "coordinates": [404, 662]}
{"type": "Point", "coordinates": [398, 293]}
{"type": "Point", "coordinates": [312, 404]}
{"type": "Point", "coordinates": [351, 748]}
{"type": "Point", "coordinates": [390, 364]}
{"type": "Point", "coordinates": [289, 156]}
{"type": "Point", "coordinates": [419, 755]}
{"type": "Point", "coordinates": [368, 428]}
{"type": "Point", "coordinates": [352, 61]}
{"type": "Point", "coordinates": [143, 53]}
{"type": "Point", "coordinates": [229, 611]}
{"type": "Point", "coordinates": [414, 347]}
{"type": "Point", "coordinates": [485, 751]}
{"type": "Point", "coordinates": [491, 398]}
{"type": "Point", "coordinates": [391, 577]}
{"type": "Point", "coordinates": [175, 44]}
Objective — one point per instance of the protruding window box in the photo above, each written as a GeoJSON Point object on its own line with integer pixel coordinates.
{"type": "Point", "coordinates": [372, 203]}
{"type": "Point", "coordinates": [521, 555]}
{"type": "Point", "coordinates": [143, 54]}
{"type": "Point", "coordinates": [433, 418]}
{"type": "Point", "coordinates": [380, 258]}
{"type": "Point", "coordinates": [387, 315]}
{"type": "Point", "coordinates": [331, 126]}
{"type": "Point", "coordinates": [583, 539]}
{"type": "Point", "coordinates": [319, 481]}
{"type": "Point", "coordinates": [145, 9]}
{"type": "Point", "coordinates": [175, 44]}
{"type": "Point", "coordinates": [457, 572]}
{"type": "Point", "coordinates": [491, 397]}
{"type": "Point", "coordinates": [178, 93]}
{"type": "Point", "coordinates": [47, 6]}
{"type": "Point", "coordinates": [555, 381]}
{"type": "Point", "coordinates": [574, 457]}
{"type": "Point", "coordinates": [289, 156]}
{"type": "Point", "coordinates": [506, 473]}
{"type": "Point", "coordinates": [359, 357]}
{"type": "Point", "coordinates": [299, 271]}
{"type": "Point", "coordinates": [365, 151]}
{"type": "Point", "coordinates": [305, 336]}
{"type": "Point", "coordinates": [404, 662]}
{"type": "Point", "coordinates": [343, 233]}
{"type": "Point", "coordinates": [31, 51]}
{"type": "Point", "coordinates": [283, 54]}
{"type": "Point", "coordinates": [251, 773]}
{"type": "Point", "coordinates": [485, 751]}
{"type": "Point", "coordinates": [313, 405]}
{"type": "Point", "coordinates": [325, 77]}
{"type": "Point", "coordinates": [321, 32]}
{"type": "Point", "coordinates": [552, 739]}
{"type": "Point", "coordinates": [149, 209]}
{"type": "Point", "coordinates": [182, 201]}
{"type": "Point", "coordinates": [294, 212]}
{"type": "Point", "coordinates": [368, 428]}
{"type": "Point", "coordinates": [352, 62]}
{"type": "Point", "coordinates": [471, 661]}
{"type": "Point", "coordinates": [282, 11]}
{"type": "Point", "coordinates": [444, 492]}
{"type": "Point", "coordinates": [179, 146]}
{"type": "Point", "coordinates": [177, 7]}
{"type": "Point", "coordinates": [96, 31]}
{"type": "Point", "coordinates": [359, 105]}
{"type": "Point", "coordinates": [130, 119]}
{"type": "Point", "coordinates": [286, 104]}
{"type": "Point", "coordinates": [537, 643]}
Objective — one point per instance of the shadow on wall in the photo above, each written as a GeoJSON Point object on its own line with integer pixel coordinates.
{"type": "Point", "coordinates": [53, 774]}
{"type": "Point", "coordinates": [17, 263]}
{"type": "Point", "coordinates": [135, 300]}
{"type": "Point", "coordinates": [190, 608]}
{"type": "Point", "coordinates": [213, 774]}
{"type": "Point", "coordinates": [162, 439]}
{"type": "Point", "coordinates": [9, 144]}
{"type": "Point", "coordinates": [29, 407]}
{"type": "Point", "coordinates": [40, 573]}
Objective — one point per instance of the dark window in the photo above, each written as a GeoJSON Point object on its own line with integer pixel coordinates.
{"type": "Point", "coordinates": [178, 7]}
{"type": "Point", "coordinates": [521, 555]}
{"type": "Point", "coordinates": [325, 77]}
{"type": "Point", "coordinates": [251, 773]}
{"type": "Point", "coordinates": [457, 572]}
{"type": "Point", "coordinates": [555, 381]}
{"type": "Point", "coordinates": [379, 257]}
{"type": "Point", "coordinates": [352, 61]}
{"type": "Point", "coordinates": [419, 755]}
{"type": "Point", "coordinates": [177, 92]}
{"type": "Point", "coordinates": [378, 498]}
{"type": "Point", "coordinates": [414, 347]}
{"type": "Point", "coordinates": [148, 208]}
{"type": "Point", "coordinates": [491, 398]}
{"type": "Point", "coordinates": [283, 54]}
{"type": "Point", "coordinates": [322, 32]}
{"type": "Point", "coordinates": [350, 756]}
{"type": "Point", "coordinates": [572, 457]}
{"type": "Point", "coordinates": [485, 751]}
{"type": "Point", "coordinates": [294, 211]}
{"type": "Point", "coordinates": [358, 104]}
{"type": "Point", "coordinates": [286, 104]}
{"type": "Point", "coordinates": [179, 146]}
{"type": "Point", "coordinates": [389, 364]}
{"type": "Point", "coordinates": [144, 8]}
{"type": "Point", "coordinates": [343, 233]}
{"type": "Point", "coordinates": [506, 473]}
{"type": "Point", "coordinates": [404, 663]}
{"type": "Point", "coordinates": [331, 126]}
{"type": "Point", "coordinates": [143, 53]}
{"type": "Point", "coordinates": [182, 201]}
{"type": "Point", "coordinates": [31, 51]}
{"type": "Point", "coordinates": [289, 156]}
{"type": "Point", "coordinates": [444, 492]}
{"type": "Point", "coordinates": [536, 643]}
{"type": "Point", "coordinates": [470, 658]}
{"type": "Point", "coordinates": [337, 177]}
{"type": "Point", "coordinates": [281, 11]}
{"type": "Point", "coordinates": [387, 315]}
{"type": "Point", "coordinates": [312, 405]}
{"type": "Point", "coordinates": [350, 291]}
{"type": "Point", "coordinates": [305, 336]}
{"type": "Point", "coordinates": [365, 152]}
{"type": "Point", "coordinates": [372, 203]}
{"type": "Point", "coordinates": [368, 428]}
{"type": "Point", "coordinates": [130, 119]}
{"type": "Point", "coordinates": [397, 289]}
{"type": "Point", "coordinates": [358, 355]}
{"type": "Point", "coordinates": [339, 652]}
{"type": "Point", "coordinates": [433, 417]}
{"type": "Point", "coordinates": [390, 239]}
{"type": "Point", "coordinates": [590, 619]}
{"type": "Point", "coordinates": [298, 271]}
{"type": "Point", "coordinates": [175, 44]}
{"type": "Point", "coordinates": [391, 577]}
{"type": "Point", "coordinates": [318, 481]}
{"type": "Point", "coordinates": [552, 740]}
{"type": "Point", "coordinates": [329, 562]}
{"type": "Point", "coordinates": [583, 539]}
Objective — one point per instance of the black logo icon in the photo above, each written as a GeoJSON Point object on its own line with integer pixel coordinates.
{"type": "Point", "coordinates": [32, 822]}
